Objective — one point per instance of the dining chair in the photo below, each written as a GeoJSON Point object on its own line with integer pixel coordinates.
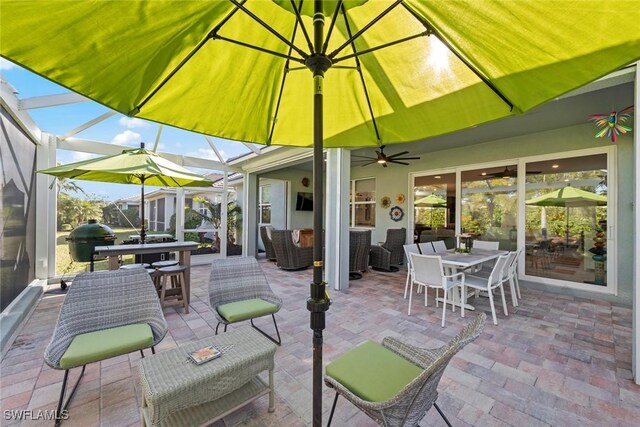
{"type": "Point", "coordinates": [439, 246]}
{"type": "Point", "coordinates": [513, 273]}
{"type": "Point", "coordinates": [426, 248]}
{"type": "Point", "coordinates": [493, 281]}
{"type": "Point", "coordinates": [429, 273]}
{"type": "Point", "coordinates": [485, 244]}
{"type": "Point", "coordinates": [408, 250]}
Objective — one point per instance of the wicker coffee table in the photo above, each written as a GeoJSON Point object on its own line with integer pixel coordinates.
{"type": "Point", "coordinates": [177, 392]}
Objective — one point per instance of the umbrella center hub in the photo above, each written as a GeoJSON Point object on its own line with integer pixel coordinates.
{"type": "Point", "coordinates": [318, 63]}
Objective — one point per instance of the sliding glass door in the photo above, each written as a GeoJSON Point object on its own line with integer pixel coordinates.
{"type": "Point", "coordinates": [566, 219]}
{"type": "Point", "coordinates": [555, 209]}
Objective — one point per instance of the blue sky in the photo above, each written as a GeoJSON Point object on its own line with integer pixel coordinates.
{"type": "Point", "coordinates": [118, 129]}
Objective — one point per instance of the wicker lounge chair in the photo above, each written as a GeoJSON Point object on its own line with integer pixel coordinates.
{"type": "Point", "coordinates": [359, 248]}
{"type": "Point", "coordinates": [265, 234]}
{"type": "Point", "coordinates": [105, 314]}
{"type": "Point", "coordinates": [407, 387]}
{"type": "Point", "coordinates": [238, 291]}
{"type": "Point", "coordinates": [390, 253]}
{"type": "Point", "coordinates": [288, 255]}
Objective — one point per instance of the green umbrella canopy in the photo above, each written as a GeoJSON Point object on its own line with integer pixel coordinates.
{"type": "Point", "coordinates": [431, 201]}
{"type": "Point", "coordinates": [171, 62]}
{"type": "Point", "coordinates": [135, 166]}
{"type": "Point", "coordinates": [568, 197]}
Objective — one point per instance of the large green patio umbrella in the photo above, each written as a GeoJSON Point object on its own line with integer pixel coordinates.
{"type": "Point", "coordinates": [568, 197]}
{"type": "Point", "coordinates": [134, 166]}
{"type": "Point", "coordinates": [389, 71]}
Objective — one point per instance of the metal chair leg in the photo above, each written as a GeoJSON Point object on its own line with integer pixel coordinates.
{"type": "Point", "coordinates": [141, 353]}
{"type": "Point", "coordinates": [279, 341]}
{"type": "Point", "coordinates": [63, 407]}
{"type": "Point", "coordinates": [441, 414]}
{"type": "Point", "coordinates": [217, 328]}
{"type": "Point", "coordinates": [333, 408]}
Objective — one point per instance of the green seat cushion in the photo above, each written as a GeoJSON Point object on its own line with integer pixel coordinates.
{"type": "Point", "coordinates": [99, 345]}
{"type": "Point", "coordinates": [372, 372]}
{"type": "Point", "coordinates": [247, 309]}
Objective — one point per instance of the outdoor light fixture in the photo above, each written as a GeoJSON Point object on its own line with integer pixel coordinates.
{"type": "Point", "coordinates": [382, 161]}
{"type": "Point", "coordinates": [555, 166]}
{"type": "Point", "coordinates": [483, 174]}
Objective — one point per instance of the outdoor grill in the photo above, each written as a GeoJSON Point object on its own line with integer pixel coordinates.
{"type": "Point", "coordinates": [84, 238]}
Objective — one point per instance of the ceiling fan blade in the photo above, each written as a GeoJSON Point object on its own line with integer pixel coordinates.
{"type": "Point", "coordinates": [369, 163]}
{"type": "Point", "coordinates": [533, 172]}
{"type": "Point", "coordinates": [404, 158]}
{"type": "Point", "coordinates": [400, 163]}
{"type": "Point", "coordinates": [398, 154]}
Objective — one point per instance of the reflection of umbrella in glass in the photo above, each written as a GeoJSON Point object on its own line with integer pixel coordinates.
{"type": "Point", "coordinates": [568, 197]}
{"type": "Point", "coordinates": [135, 166]}
{"type": "Point", "coordinates": [392, 71]}
{"type": "Point", "coordinates": [431, 201]}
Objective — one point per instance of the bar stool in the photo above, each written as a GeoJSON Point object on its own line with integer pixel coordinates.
{"type": "Point", "coordinates": [177, 293]}
{"type": "Point", "coordinates": [130, 266]}
{"type": "Point", "coordinates": [161, 264]}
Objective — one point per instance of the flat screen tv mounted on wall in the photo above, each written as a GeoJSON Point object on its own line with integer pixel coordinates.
{"type": "Point", "coordinates": [304, 202]}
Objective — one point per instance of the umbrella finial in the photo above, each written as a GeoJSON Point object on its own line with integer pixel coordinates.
{"type": "Point", "coordinates": [142, 145]}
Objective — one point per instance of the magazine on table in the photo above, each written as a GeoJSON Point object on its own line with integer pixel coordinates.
{"type": "Point", "coordinates": [204, 354]}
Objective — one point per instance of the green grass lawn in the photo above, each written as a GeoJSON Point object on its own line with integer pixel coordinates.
{"type": "Point", "coordinates": [64, 263]}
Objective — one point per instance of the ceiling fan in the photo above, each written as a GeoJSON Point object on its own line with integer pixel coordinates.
{"type": "Point", "coordinates": [384, 159]}
{"type": "Point", "coordinates": [508, 173]}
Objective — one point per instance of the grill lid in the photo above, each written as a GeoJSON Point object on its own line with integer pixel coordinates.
{"type": "Point", "coordinates": [92, 230]}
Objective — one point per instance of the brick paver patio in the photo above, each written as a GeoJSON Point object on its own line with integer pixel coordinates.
{"type": "Point", "coordinates": [555, 360]}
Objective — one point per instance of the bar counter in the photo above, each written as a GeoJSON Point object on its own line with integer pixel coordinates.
{"type": "Point", "coordinates": [183, 248]}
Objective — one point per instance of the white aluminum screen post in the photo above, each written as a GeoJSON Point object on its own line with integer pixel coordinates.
{"type": "Point", "coordinates": [635, 327]}
{"type": "Point", "coordinates": [224, 232]}
{"type": "Point", "coordinates": [45, 199]}
{"type": "Point", "coordinates": [250, 215]}
{"type": "Point", "coordinates": [337, 218]}
{"type": "Point", "coordinates": [180, 214]}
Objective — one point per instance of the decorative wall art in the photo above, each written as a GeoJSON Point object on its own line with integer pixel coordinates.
{"type": "Point", "coordinates": [396, 213]}
{"type": "Point", "coordinates": [400, 198]}
{"type": "Point", "coordinates": [611, 125]}
{"type": "Point", "coordinates": [385, 202]}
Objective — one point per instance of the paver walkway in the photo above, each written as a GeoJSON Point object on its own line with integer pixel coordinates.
{"type": "Point", "coordinates": [555, 360]}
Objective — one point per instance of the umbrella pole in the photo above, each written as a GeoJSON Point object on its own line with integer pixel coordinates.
{"type": "Point", "coordinates": [143, 235]}
{"type": "Point", "coordinates": [318, 301]}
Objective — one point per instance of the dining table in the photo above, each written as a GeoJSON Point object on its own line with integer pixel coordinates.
{"type": "Point", "coordinates": [455, 262]}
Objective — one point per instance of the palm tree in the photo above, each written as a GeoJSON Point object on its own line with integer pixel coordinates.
{"type": "Point", "coordinates": [234, 216]}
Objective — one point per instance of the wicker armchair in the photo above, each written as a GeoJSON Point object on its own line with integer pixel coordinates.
{"type": "Point", "coordinates": [359, 248]}
{"type": "Point", "coordinates": [238, 291]}
{"type": "Point", "coordinates": [265, 233]}
{"type": "Point", "coordinates": [407, 387]}
{"type": "Point", "coordinates": [288, 255]}
{"type": "Point", "coordinates": [390, 253]}
{"type": "Point", "coordinates": [105, 314]}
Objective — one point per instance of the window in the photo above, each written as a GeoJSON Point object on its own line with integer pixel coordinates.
{"type": "Point", "coordinates": [362, 203]}
{"type": "Point", "coordinates": [264, 204]}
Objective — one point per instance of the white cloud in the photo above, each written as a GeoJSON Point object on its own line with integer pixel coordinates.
{"type": "Point", "coordinates": [6, 65]}
{"type": "Point", "coordinates": [206, 153]}
{"type": "Point", "coordinates": [132, 122]}
{"type": "Point", "coordinates": [127, 137]}
{"type": "Point", "coordinates": [80, 156]}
